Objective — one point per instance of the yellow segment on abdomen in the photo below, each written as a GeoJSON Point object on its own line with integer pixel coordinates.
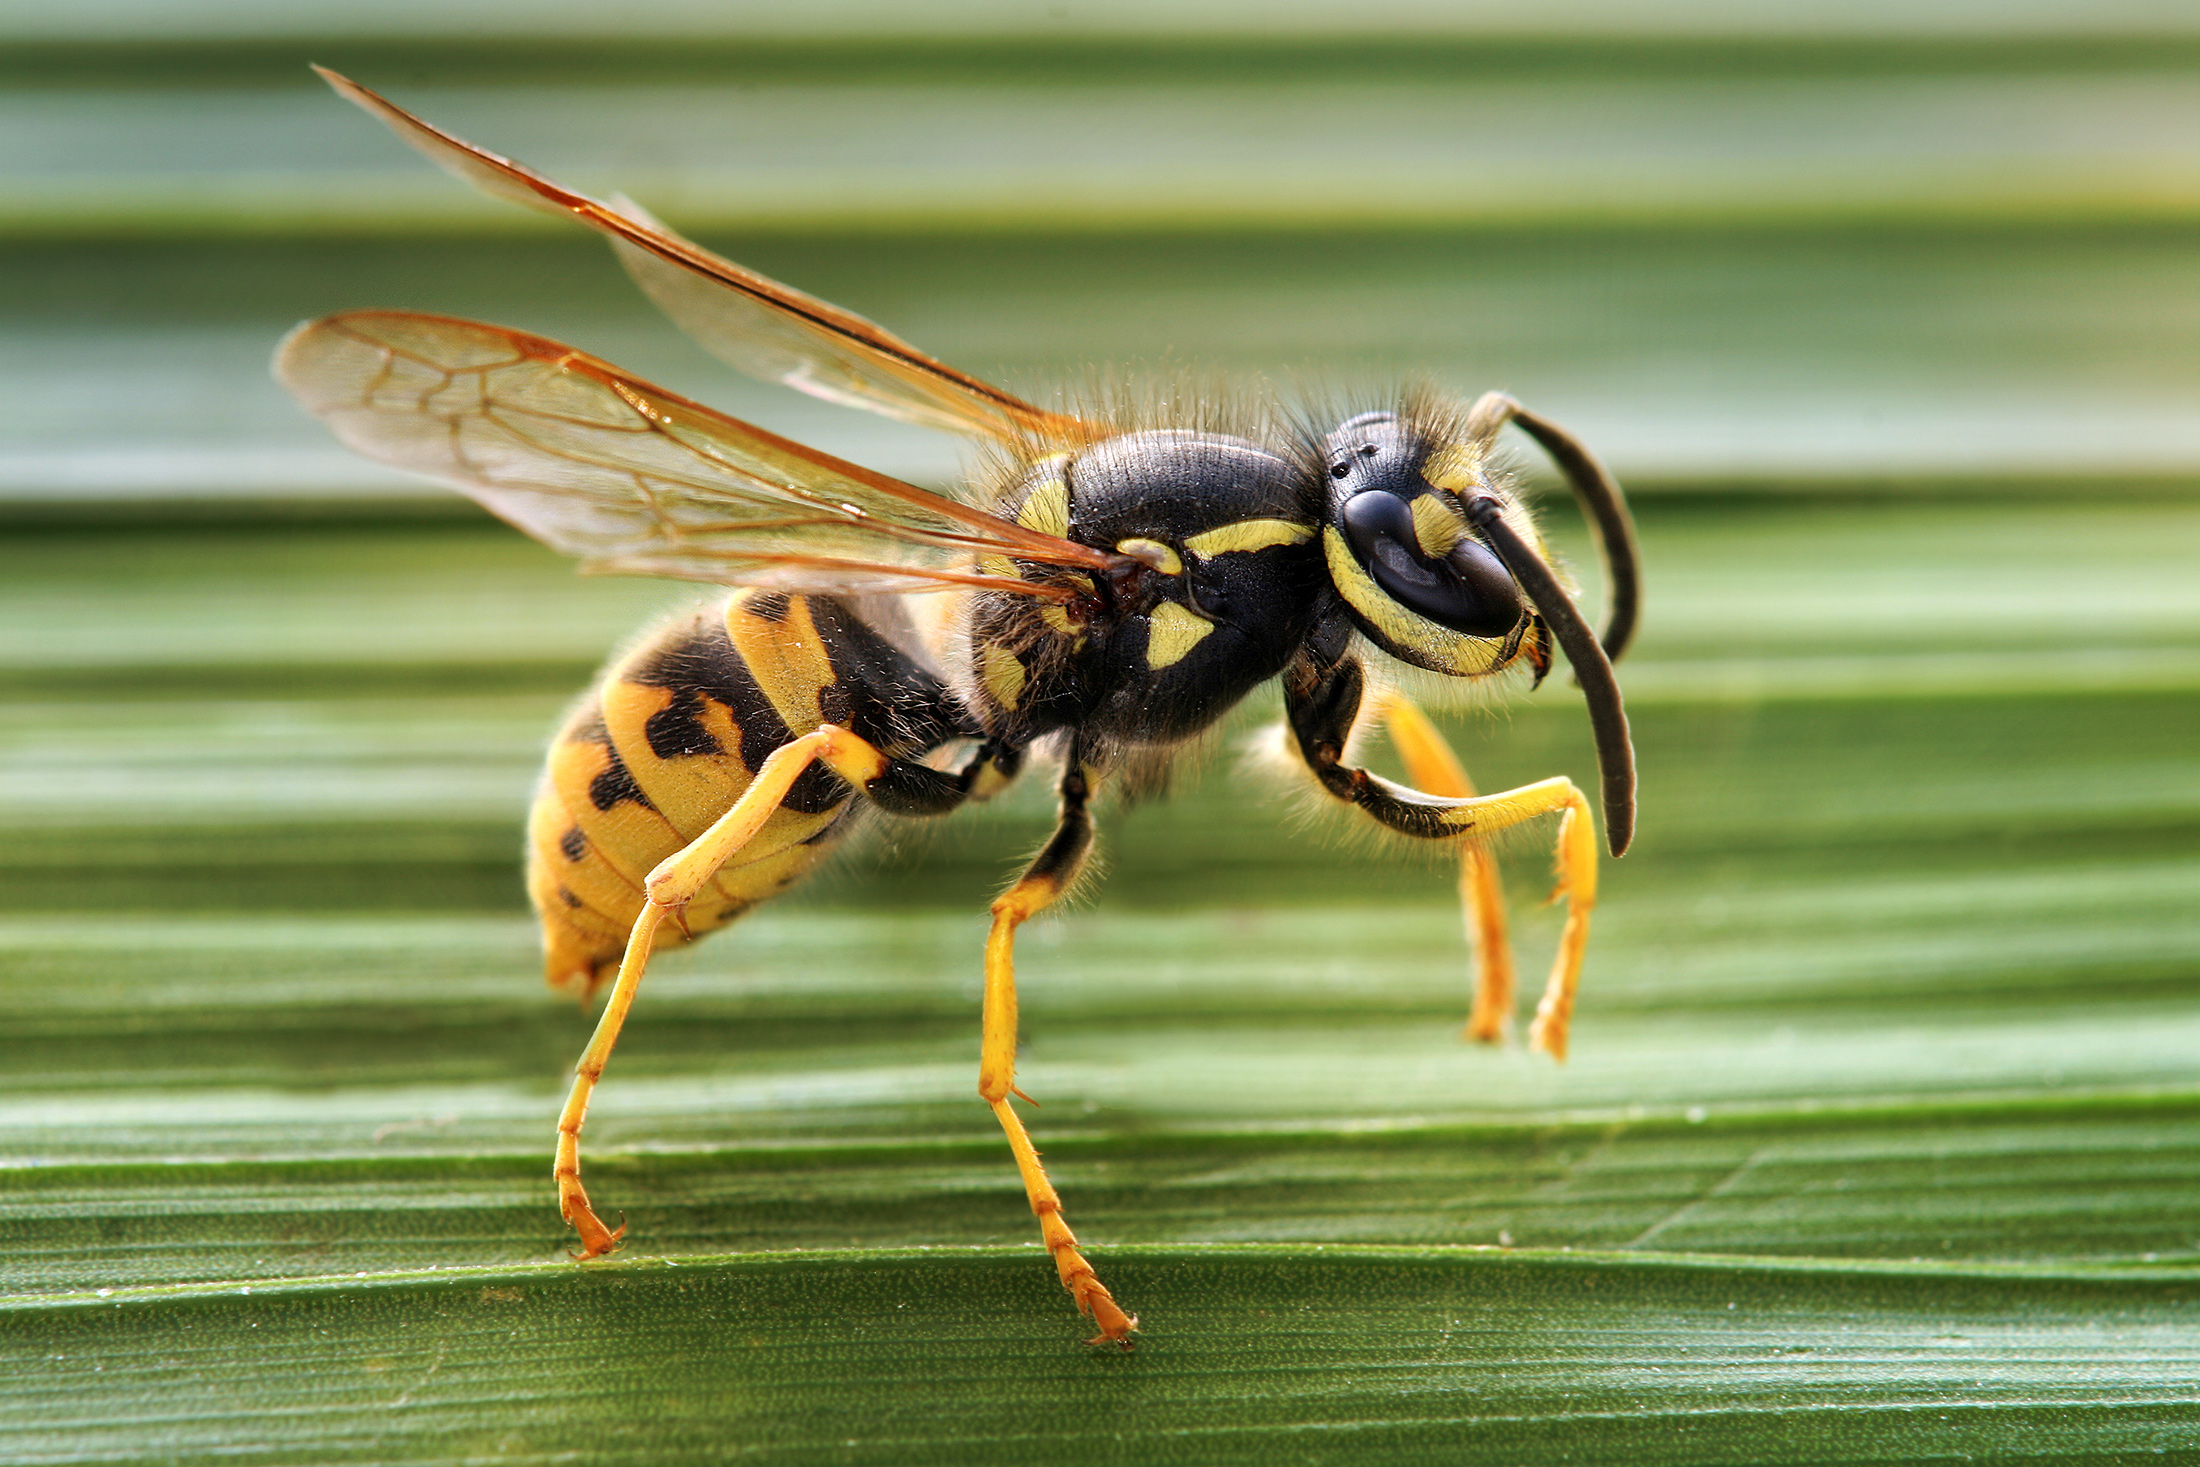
{"type": "Point", "coordinates": [660, 751]}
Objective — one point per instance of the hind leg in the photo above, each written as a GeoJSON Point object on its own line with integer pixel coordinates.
{"type": "Point", "coordinates": [1052, 872]}
{"type": "Point", "coordinates": [674, 883]}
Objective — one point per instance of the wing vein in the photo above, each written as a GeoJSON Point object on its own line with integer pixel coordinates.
{"type": "Point", "coordinates": [626, 476]}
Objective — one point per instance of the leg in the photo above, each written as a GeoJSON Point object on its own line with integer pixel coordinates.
{"type": "Point", "coordinates": [1049, 875]}
{"type": "Point", "coordinates": [1321, 705]}
{"type": "Point", "coordinates": [1432, 767]}
{"type": "Point", "coordinates": [675, 882]}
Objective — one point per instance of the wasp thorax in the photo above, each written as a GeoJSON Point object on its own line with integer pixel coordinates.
{"type": "Point", "coordinates": [1402, 555]}
{"type": "Point", "coordinates": [1221, 533]}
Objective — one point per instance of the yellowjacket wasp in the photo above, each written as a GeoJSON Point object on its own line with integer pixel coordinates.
{"type": "Point", "coordinates": [1114, 589]}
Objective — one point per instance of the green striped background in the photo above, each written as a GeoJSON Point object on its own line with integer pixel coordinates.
{"type": "Point", "coordinates": [1881, 1137]}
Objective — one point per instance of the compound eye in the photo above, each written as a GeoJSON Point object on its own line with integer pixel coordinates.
{"type": "Point", "coordinates": [1468, 589]}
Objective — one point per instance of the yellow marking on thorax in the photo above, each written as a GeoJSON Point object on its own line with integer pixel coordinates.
{"type": "Point", "coordinates": [1457, 468]}
{"type": "Point", "coordinates": [1247, 535]}
{"type": "Point", "coordinates": [1436, 525]}
{"type": "Point", "coordinates": [1003, 675]}
{"type": "Point", "coordinates": [1056, 616]}
{"type": "Point", "coordinates": [1175, 632]}
{"type": "Point", "coordinates": [990, 782]}
{"type": "Point", "coordinates": [1152, 552]}
{"type": "Point", "coordinates": [787, 658]}
{"type": "Point", "coordinates": [1046, 509]}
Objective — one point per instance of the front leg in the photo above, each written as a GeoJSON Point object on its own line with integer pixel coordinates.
{"type": "Point", "coordinates": [1321, 705]}
{"type": "Point", "coordinates": [1051, 873]}
{"type": "Point", "coordinates": [1433, 767]}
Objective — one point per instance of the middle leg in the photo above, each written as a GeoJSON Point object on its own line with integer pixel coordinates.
{"type": "Point", "coordinates": [675, 882]}
{"type": "Point", "coordinates": [1051, 873]}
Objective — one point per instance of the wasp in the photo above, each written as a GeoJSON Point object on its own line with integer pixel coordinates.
{"type": "Point", "coordinates": [1105, 593]}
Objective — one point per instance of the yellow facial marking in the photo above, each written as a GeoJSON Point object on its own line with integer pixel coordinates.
{"type": "Point", "coordinates": [1247, 535]}
{"type": "Point", "coordinates": [1175, 632]}
{"type": "Point", "coordinates": [1046, 509]}
{"type": "Point", "coordinates": [1457, 468]}
{"type": "Point", "coordinates": [1153, 553]}
{"type": "Point", "coordinates": [1004, 676]}
{"type": "Point", "coordinates": [1441, 649]}
{"type": "Point", "coordinates": [1436, 525]}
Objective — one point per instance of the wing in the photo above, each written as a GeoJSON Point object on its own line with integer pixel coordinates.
{"type": "Point", "coordinates": [629, 477]}
{"type": "Point", "coordinates": [754, 323]}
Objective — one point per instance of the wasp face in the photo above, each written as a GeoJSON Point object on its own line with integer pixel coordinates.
{"type": "Point", "coordinates": [1403, 556]}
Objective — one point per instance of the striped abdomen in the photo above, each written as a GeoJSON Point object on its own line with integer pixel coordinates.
{"type": "Point", "coordinates": [673, 734]}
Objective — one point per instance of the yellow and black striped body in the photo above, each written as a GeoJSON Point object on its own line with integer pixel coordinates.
{"type": "Point", "coordinates": [673, 734]}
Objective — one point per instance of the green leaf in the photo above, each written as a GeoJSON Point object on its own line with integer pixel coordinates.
{"type": "Point", "coordinates": [1880, 1134]}
{"type": "Point", "coordinates": [1306, 1354]}
{"type": "Point", "coordinates": [1886, 1042]}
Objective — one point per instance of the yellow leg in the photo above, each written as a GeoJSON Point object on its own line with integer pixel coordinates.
{"type": "Point", "coordinates": [669, 889]}
{"type": "Point", "coordinates": [1485, 815]}
{"type": "Point", "coordinates": [1322, 703]}
{"type": "Point", "coordinates": [1577, 886]}
{"type": "Point", "coordinates": [1435, 769]}
{"type": "Point", "coordinates": [1050, 875]}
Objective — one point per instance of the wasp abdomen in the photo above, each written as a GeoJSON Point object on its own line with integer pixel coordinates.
{"type": "Point", "coordinates": [674, 733]}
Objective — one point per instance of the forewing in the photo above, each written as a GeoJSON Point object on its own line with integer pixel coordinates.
{"type": "Point", "coordinates": [628, 477]}
{"type": "Point", "coordinates": [754, 323]}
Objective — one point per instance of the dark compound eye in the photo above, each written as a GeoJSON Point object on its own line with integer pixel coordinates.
{"type": "Point", "coordinates": [1468, 590]}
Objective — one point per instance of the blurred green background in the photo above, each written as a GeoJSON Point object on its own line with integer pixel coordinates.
{"type": "Point", "coordinates": [1881, 1135]}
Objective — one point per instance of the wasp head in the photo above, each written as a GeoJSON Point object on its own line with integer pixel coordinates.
{"type": "Point", "coordinates": [1416, 576]}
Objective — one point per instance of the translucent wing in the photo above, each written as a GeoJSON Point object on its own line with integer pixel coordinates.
{"type": "Point", "coordinates": [766, 329]}
{"type": "Point", "coordinates": [629, 477]}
